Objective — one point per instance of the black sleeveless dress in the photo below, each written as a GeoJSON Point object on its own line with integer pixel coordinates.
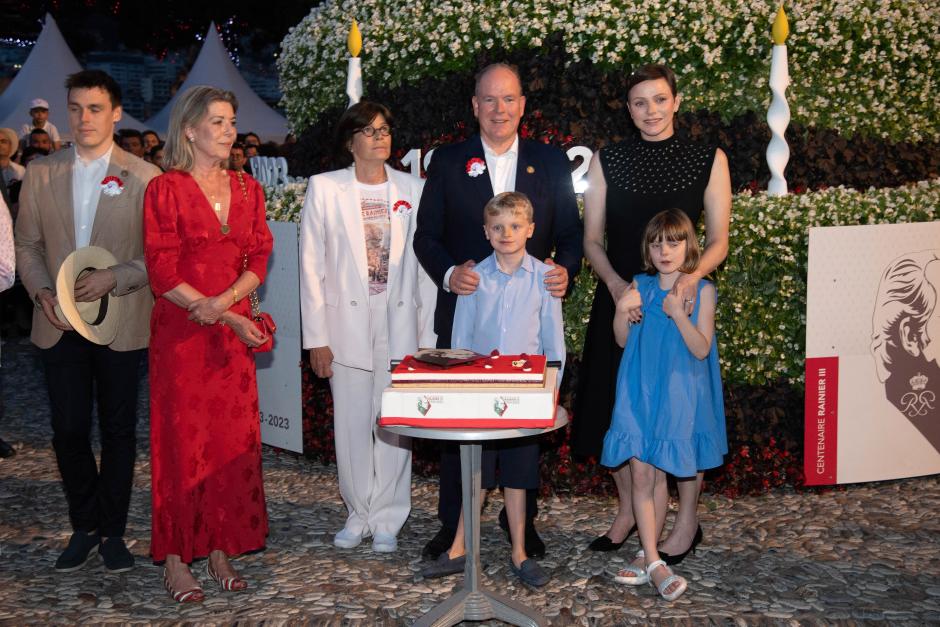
{"type": "Point", "coordinates": [643, 178]}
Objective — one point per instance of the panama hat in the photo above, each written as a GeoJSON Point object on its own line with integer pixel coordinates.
{"type": "Point", "coordinates": [14, 140]}
{"type": "Point", "coordinates": [96, 321]}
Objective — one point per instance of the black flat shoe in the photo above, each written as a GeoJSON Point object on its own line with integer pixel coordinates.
{"type": "Point", "coordinates": [604, 543]}
{"type": "Point", "coordinates": [440, 543]}
{"type": "Point", "coordinates": [672, 560]}
{"type": "Point", "coordinates": [115, 555]}
{"type": "Point", "coordinates": [82, 547]}
{"type": "Point", "coordinates": [6, 450]}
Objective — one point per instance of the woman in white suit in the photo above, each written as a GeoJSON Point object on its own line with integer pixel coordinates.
{"type": "Point", "coordinates": [364, 300]}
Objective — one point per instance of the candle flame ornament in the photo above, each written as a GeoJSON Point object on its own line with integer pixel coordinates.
{"type": "Point", "coordinates": [778, 115]}
{"type": "Point", "coordinates": [354, 72]}
{"type": "Point", "coordinates": [354, 40]}
{"type": "Point", "coordinates": [780, 30]}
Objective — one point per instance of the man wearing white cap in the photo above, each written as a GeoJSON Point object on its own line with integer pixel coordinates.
{"type": "Point", "coordinates": [39, 112]}
{"type": "Point", "coordinates": [11, 170]}
{"type": "Point", "coordinates": [75, 201]}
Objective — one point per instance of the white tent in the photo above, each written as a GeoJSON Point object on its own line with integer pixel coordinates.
{"type": "Point", "coordinates": [214, 67]}
{"type": "Point", "coordinates": [43, 76]}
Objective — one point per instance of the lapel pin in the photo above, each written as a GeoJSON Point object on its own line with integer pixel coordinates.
{"type": "Point", "coordinates": [530, 170]}
{"type": "Point", "coordinates": [112, 186]}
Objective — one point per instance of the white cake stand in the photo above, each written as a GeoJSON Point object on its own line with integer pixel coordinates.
{"type": "Point", "coordinates": [472, 602]}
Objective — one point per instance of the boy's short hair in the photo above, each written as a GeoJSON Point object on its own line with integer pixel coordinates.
{"type": "Point", "coordinates": [90, 79]}
{"type": "Point", "coordinates": [515, 203]}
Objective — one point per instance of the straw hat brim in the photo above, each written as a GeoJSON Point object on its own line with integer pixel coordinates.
{"type": "Point", "coordinates": [96, 321]}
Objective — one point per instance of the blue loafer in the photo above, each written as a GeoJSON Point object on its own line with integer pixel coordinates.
{"type": "Point", "coordinates": [444, 566]}
{"type": "Point", "coordinates": [530, 573]}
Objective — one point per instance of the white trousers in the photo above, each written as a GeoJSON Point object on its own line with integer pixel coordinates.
{"type": "Point", "coordinates": [374, 466]}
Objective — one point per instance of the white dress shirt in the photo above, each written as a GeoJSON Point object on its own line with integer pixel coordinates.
{"type": "Point", "coordinates": [502, 167]}
{"type": "Point", "coordinates": [502, 170]}
{"type": "Point", "coordinates": [86, 190]}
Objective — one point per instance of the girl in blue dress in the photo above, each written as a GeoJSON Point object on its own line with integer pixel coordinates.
{"type": "Point", "coordinates": [669, 411]}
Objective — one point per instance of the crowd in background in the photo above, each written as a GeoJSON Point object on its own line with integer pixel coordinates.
{"type": "Point", "coordinates": [39, 137]}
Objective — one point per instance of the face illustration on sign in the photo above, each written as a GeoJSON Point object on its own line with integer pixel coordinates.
{"type": "Point", "coordinates": [906, 339]}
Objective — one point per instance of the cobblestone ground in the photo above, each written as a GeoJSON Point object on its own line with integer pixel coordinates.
{"type": "Point", "coordinates": [870, 553]}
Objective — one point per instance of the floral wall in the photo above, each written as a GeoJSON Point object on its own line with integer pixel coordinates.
{"type": "Point", "coordinates": [861, 66]}
{"type": "Point", "coordinates": [865, 149]}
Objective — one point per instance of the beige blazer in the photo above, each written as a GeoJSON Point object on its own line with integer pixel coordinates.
{"type": "Point", "coordinates": [45, 236]}
{"type": "Point", "coordinates": [334, 272]}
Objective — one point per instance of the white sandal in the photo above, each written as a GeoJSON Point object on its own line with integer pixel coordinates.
{"type": "Point", "coordinates": [633, 575]}
{"type": "Point", "coordinates": [668, 581]}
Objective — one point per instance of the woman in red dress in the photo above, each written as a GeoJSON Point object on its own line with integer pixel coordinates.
{"type": "Point", "coordinates": [207, 245]}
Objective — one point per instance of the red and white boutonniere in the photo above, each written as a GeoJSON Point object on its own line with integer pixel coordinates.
{"type": "Point", "coordinates": [112, 186]}
{"type": "Point", "coordinates": [402, 208]}
{"type": "Point", "coordinates": [476, 167]}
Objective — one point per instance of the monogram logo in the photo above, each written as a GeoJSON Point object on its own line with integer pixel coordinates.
{"type": "Point", "coordinates": [915, 404]}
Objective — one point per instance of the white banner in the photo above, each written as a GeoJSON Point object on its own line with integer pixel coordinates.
{"type": "Point", "coordinates": [872, 353]}
{"type": "Point", "coordinates": [279, 384]}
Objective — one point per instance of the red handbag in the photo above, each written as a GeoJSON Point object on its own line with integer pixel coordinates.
{"type": "Point", "coordinates": [262, 320]}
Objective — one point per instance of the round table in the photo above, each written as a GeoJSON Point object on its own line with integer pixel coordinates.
{"type": "Point", "coordinates": [472, 602]}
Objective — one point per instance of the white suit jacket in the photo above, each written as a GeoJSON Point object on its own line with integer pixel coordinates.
{"type": "Point", "coordinates": [334, 283]}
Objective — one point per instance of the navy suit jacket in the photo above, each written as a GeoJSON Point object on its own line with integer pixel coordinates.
{"type": "Point", "coordinates": [450, 217]}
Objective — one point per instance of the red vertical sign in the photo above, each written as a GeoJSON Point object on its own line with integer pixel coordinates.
{"type": "Point", "coordinates": [821, 420]}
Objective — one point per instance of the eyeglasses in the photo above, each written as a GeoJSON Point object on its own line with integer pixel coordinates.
{"type": "Point", "coordinates": [384, 131]}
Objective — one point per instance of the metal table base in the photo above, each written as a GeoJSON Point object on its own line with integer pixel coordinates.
{"type": "Point", "coordinates": [472, 602]}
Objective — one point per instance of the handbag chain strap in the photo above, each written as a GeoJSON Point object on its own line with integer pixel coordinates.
{"type": "Point", "coordinates": [253, 299]}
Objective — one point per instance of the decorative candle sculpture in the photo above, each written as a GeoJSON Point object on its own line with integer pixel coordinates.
{"type": "Point", "coordinates": [354, 73]}
{"type": "Point", "coordinates": [778, 115]}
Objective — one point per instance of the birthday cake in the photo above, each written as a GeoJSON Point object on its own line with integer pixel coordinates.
{"type": "Point", "coordinates": [458, 368]}
{"type": "Point", "coordinates": [471, 407]}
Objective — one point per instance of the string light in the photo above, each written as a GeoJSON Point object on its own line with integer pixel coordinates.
{"type": "Point", "coordinates": [19, 43]}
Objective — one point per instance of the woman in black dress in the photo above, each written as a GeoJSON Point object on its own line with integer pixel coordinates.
{"type": "Point", "coordinates": [628, 183]}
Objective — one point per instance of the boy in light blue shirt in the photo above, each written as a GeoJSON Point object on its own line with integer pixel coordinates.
{"type": "Point", "coordinates": [510, 311]}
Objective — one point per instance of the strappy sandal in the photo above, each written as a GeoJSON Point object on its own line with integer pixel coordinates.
{"type": "Point", "coordinates": [226, 584]}
{"type": "Point", "coordinates": [633, 575]}
{"type": "Point", "coordinates": [193, 595]}
{"type": "Point", "coordinates": [668, 581]}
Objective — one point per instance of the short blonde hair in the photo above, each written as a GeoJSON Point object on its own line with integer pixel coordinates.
{"type": "Point", "coordinates": [672, 225]}
{"type": "Point", "coordinates": [190, 109]}
{"type": "Point", "coordinates": [515, 203]}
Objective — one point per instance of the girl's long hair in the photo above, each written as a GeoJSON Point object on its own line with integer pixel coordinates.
{"type": "Point", "coordinates": [672, 225]}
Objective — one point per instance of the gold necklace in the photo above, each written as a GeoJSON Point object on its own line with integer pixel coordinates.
{"type": "Point", "coordinates": [217, 207]}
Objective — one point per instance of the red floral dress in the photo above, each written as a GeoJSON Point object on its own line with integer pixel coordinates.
{"type": "Point", "coordinates": [205, 442]}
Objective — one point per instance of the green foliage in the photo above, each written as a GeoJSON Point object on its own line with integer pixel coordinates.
{"type": "Point", "coordinates": [761, 319]}
{"type": "Point", "coordinates": [858, 66]}
{"type": "Point", "coordinates": [284, 202]}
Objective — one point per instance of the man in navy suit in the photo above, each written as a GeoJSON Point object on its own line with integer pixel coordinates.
{"type": "Point", "coordinates": [449, 239]}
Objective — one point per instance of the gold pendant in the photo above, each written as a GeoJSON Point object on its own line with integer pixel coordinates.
{"type": "Point", "coordinates": [225, 229]}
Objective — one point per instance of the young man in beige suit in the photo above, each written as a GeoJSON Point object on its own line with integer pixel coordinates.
{"type": "Point", "coordinates": [91, 194]}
